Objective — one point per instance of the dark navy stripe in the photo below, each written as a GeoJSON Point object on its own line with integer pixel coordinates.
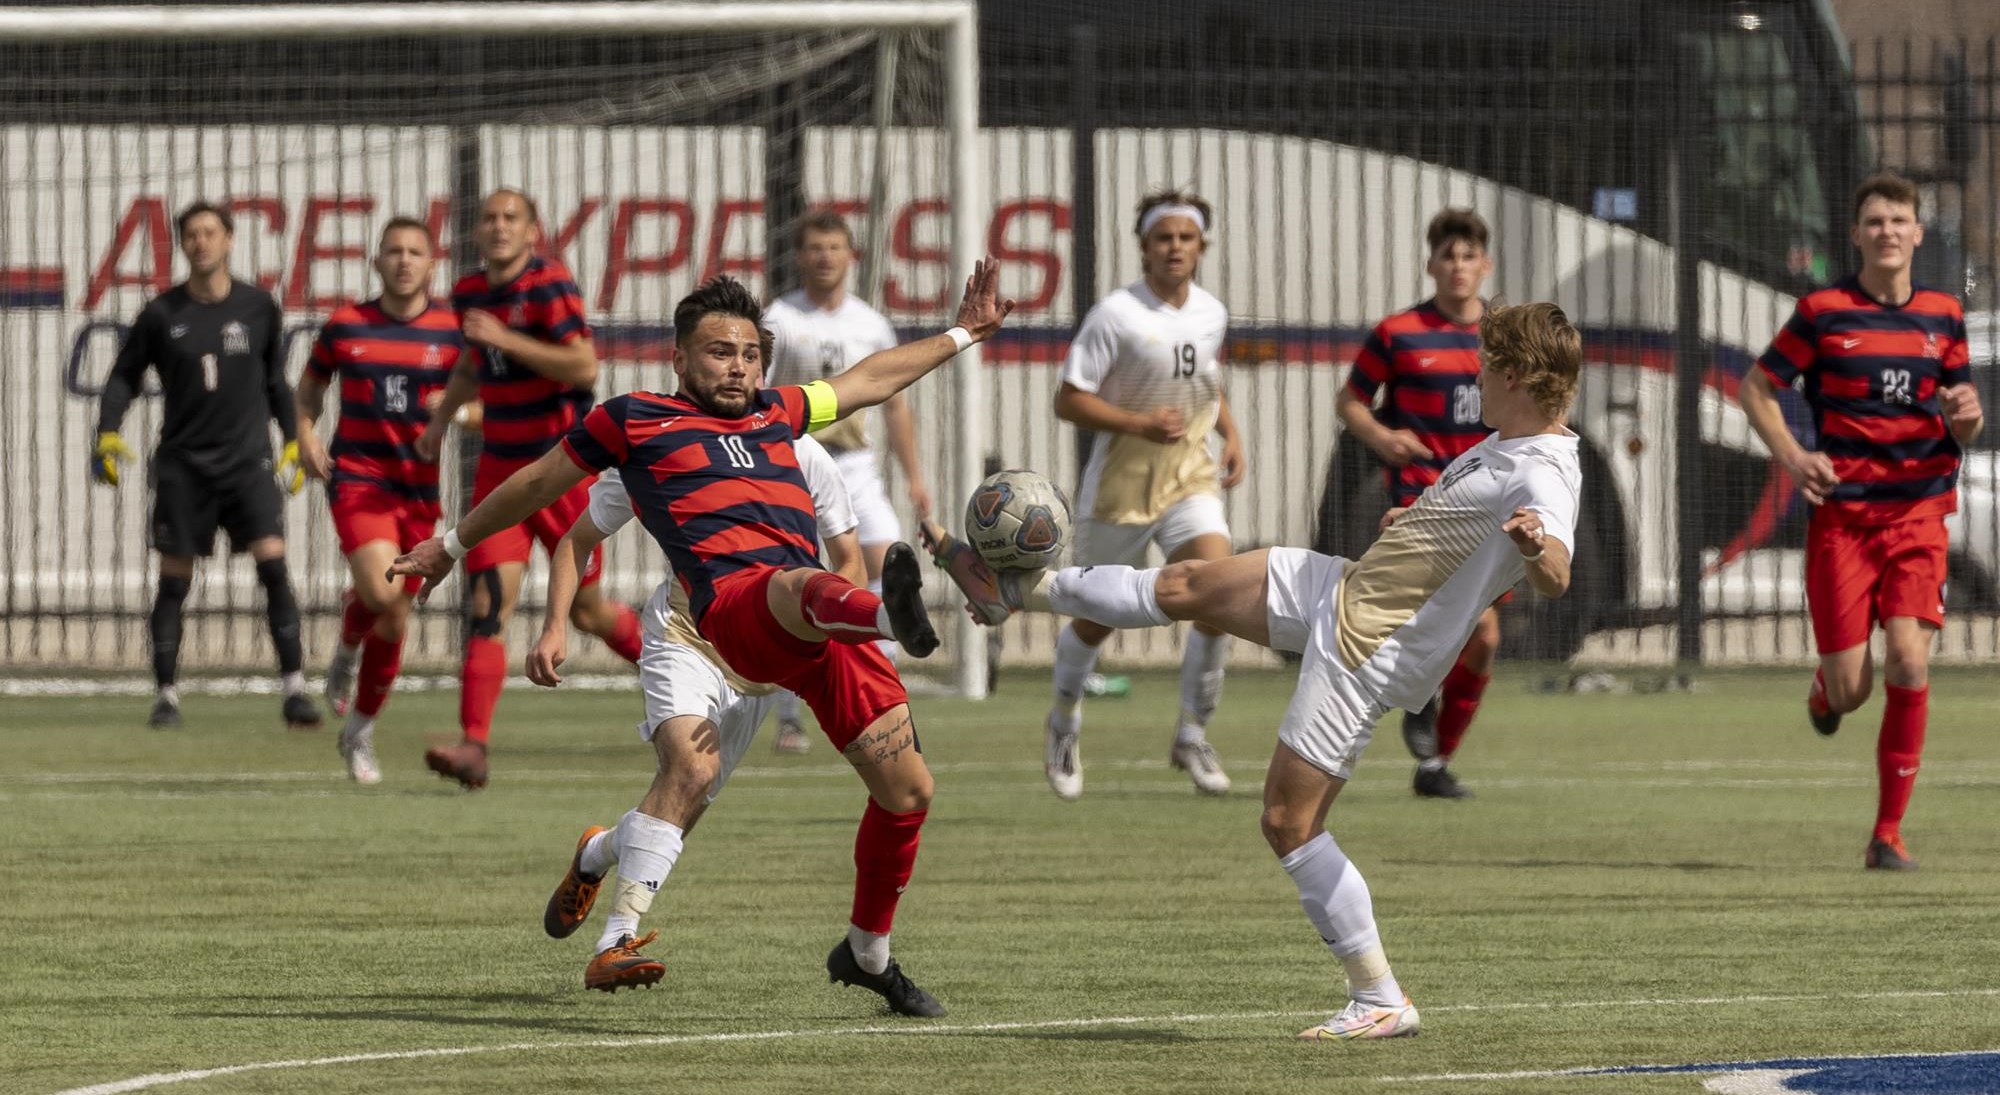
{"type": "Point", "coordinates": [1436, 380]}
{"type": "Point", "coordinates": [699, 527]}
{"type": "Point", "coordinates": [1875, 408]}
{"type": "Point", "coordinates": [1906, 490]}
{"type": "Point", "coordinates": [1845, 320]}
{"type": "Point", "coordinates": [1871, 365]}
{"type": "Point", "coordinates": [521, 412]}
{"type": "Point", "coordinates": [1862, 448]}
{"type": "Point", "coordinates": [1434, 340]}
{"type": "Point", "coordinates": [420, 336]}
{"type": "Point", "coordinates": [519, 450]}
{"type": "Point", "coordinates": [374, 450]}
{"type": "Point", "coordinates": [416, 492]}
{"type": "Point", "coordinates": [371, 413]}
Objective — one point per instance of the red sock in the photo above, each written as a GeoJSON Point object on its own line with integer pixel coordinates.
{"type": "Point", "coordinates": [479, 693]}
{"type": "Point", "coordinates": [845, 611]}
{"type": "Point", "coordinates": [885, 851]}
{"type": "Point", "coordinates": [355, 619]}
{"type": "Point", "coordinates": [1896, 755]}
{"type": "Point", "coordinates": [624, 637]}
{"type": "Point", "coordinates": [381, 660]}
{"type": "Point", "coordinates": [1816, 698]}
{"type": "Point", "coordinates": [1463, 690]}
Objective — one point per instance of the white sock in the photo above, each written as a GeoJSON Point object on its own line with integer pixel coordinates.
{"type": "Point", "coordinates": [295, 683]}
{"type": "Point", "coordinates": [888, 647]}
{"type": "Point", "coordinates": [1201, 683]}
{"type": "Point", "coordinates": [348, 653]}
{"type": "Point", "coordinates": [1335, 898]}
{"type": "Point", "coordinates": [600, 854]}
{"type": "Point", "coordinates": [871, 951]}
{"type": "Point", "coordinates": [1115, 596]}
{"type": "Point", "coordinates": [171, 694]}
{"type": "Point", "coordinates": [647, 849]}
{"type": "Point", "coordinates": [788, 706]}
{"type": "Point", "coordinates": [1074, 661]}
{"type": "Point", "coordinates": [358, 726]}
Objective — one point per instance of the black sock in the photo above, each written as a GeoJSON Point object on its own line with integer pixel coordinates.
{"type": "Point", "coordinates": [166, 627]}
{"type": "Point", "coordinates": [283, 611]}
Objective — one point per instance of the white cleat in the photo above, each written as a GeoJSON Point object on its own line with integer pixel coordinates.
{"type": "Point", "coordinates": [1198, 760]}
{"type": "Point", "coordinates": [1064, 760]}
{"type": "Point", "coordinates": [340, 677]}
{"type": "Point", "coordinates": [791, 738]}
{"type": "Point", "coordinates": [357, 748]}
{"type": "Point", "coordinates": [1358, 1020]}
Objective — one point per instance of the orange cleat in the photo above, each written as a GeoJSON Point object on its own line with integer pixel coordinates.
{"type": "Point", "coordinates": [570, 905]}
{"type": "Point", "coordinates": [621, 966]}
{"type": "Point", "coordinates": [464, 762]}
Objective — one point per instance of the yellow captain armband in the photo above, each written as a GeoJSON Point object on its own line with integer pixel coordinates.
{"type": "Point", "coordinates": [822, 405]}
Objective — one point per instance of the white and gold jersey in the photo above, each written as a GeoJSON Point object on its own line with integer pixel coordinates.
{"type": "Point", "coordinates": [812, 343]}
{"type": "Point", "coordinates": [1137, 352]}
{"type": "Point", "coordinates": [1405, 608]}
{"type": "Point", "coordinates": [666, 613]}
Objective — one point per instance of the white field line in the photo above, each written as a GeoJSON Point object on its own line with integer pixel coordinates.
{"type": "Point", "coordinates": [162, 1079]}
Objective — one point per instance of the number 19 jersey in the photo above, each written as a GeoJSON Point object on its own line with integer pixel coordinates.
{"type": "Point", "coordinates": [1137, 352]}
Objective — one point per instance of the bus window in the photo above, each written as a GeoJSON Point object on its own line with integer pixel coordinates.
{"type": "Point", "coordinates": [1765, 197]}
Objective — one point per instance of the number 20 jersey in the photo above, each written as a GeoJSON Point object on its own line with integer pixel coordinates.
{"type": "Point", "coordinates": [387, 367]}
{"type": "Point", "coordinates": [1871, 374]}
{"type": "Point", "coordinates": [1430, 365]}
{"type": "Point", "coordinates": [1137, 352]}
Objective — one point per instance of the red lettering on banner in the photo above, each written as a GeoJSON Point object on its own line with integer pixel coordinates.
{"type": "Point", "coordinates": [621, 261]}
{"type": "Point", "coordinates": [437, 220]}
{"type": "Point", "coordinates": [903, 245]}
{"type": "Point", "coordinates": [566, 235]}
{"type": "Point", "coordinates": [149, 212]}
{"type": "Point", "coordinates": [715, 262]}
{"type": "Point", "coordinates": [298, 288]}
{"type": "Point", "coordinates": [271, 211]}
{"type": "Point", "coordinates": [1048, 260]}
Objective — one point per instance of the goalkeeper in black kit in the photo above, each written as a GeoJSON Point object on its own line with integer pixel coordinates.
{"type": "Point", "coordinates": [216, 343]}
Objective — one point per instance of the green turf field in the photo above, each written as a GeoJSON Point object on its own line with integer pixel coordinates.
{"type": "Point", "coordinates": [1670, 878]}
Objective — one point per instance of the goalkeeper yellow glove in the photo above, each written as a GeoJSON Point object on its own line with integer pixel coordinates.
{"type": "Point", "coordinates": [104, 459]}
{"type": "Point", "coordinates": [291, 472]}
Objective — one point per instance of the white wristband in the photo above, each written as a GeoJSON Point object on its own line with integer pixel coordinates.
{"type": "Point", "coordinates": [1539, 552]}
{"type": "Point", "coordinates": [453, 546]}
{"type": "Point", "coordinates": [961, 338]}
{"type": "Point", "coordinates": [463, 414]}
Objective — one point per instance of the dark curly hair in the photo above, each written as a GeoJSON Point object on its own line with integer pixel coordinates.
{"type": "Point", "coordinates": [724, 296]}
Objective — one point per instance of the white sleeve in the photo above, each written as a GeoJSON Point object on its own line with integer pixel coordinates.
{"type": "Point", "coordinates": [1092, 352]}
{"type": "Point", "coordinates": [1544, 486]}
{"type": "Point", "coordinates": [829, 490]}
{"type": "Point", "coordinates": [785, 364]}
{"type": "Point", "coordinates": [610, 507]}
{"type": "Point", "coordinates": [885, 339]}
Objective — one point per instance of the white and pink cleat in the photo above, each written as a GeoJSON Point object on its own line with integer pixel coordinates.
{"type": "Point", "coordinates": [1358, 1020]}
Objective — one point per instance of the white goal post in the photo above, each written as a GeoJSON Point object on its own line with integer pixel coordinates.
{"type": "Point", "coordinates": [953, 23]}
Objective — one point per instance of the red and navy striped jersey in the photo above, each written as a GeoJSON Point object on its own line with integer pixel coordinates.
{"type": "Point", "coordinates": [1871, 377]}
{"type": "Point", "coordinates": [719, 494]}
{"type": "Point", "coordinates": [526, 413]}
{"type": "Point", "coordinates": [388, 367]}
{"type": "Point", "coordinates": [1431, 366]}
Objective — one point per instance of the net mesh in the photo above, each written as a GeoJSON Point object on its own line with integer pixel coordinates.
{"type": "Point", "coordinates": [1674, 174]}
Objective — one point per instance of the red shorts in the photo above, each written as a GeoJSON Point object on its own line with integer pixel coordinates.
{"type": "Point", "coordinates": [362, 515]}
{"type": "Point", "coordinates": [547, 525]}
{"type": "Point", "coordinates": [1858, 574]}
{"type": "Point", "coordinates": [847, 685]}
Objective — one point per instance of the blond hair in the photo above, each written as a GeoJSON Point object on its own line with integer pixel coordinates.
{"type": "Point", "coordinates": [1535, 344]}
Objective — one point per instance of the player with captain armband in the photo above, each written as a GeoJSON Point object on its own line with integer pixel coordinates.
{"type": "Point", "coordinates": [700, 717]}
{"type": "Point", "coordinates": [1144, 373]}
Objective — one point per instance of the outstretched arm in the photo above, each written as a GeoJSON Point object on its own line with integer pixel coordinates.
{"type": "Point", "coordinates": [880, 375]}
{"type": "Point", "coordinates": [511, 502]}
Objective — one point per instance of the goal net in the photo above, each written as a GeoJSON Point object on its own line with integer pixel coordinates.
{"type": "Point", "coordinates": [663, 143]}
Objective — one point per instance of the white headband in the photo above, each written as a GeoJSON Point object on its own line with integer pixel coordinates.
{"type": "Point", "coordinates": [1164, 210]}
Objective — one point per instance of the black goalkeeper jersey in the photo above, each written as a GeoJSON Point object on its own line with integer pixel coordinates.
{"type": "Point", "coordinates": [221, 368]}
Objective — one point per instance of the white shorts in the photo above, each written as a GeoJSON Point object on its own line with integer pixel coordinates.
{"type": "Point", "coordinates": [1101, 543]}
{"type": "Point", "coordinates": [875, 518]}
{"type": "Point", "coordinates": [1332, 714]}
{"type": "Point", "coordinates": [677, 681]}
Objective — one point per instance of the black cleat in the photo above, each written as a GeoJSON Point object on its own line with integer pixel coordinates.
{"type": "Point", "coordinates": [1420, 731]}
{"type": "Point", "coordinates": [1888, 855]}
{"type": "Point", "coordinates": [902, 994]}
{"type": "Point", "coordinates": [903, 596]}
{"type": "Point", "coordinates": [1438, 783]}
{"type": "Point", "coordinates": [301, 713]}
{"type": "Point", "coordinates": [166, 715]}
{"type": "Point", "coordinates": [1827, 724]}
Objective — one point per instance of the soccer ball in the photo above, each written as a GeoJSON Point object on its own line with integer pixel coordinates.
{"type": "Point", "coordinates": [1018, 520]}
